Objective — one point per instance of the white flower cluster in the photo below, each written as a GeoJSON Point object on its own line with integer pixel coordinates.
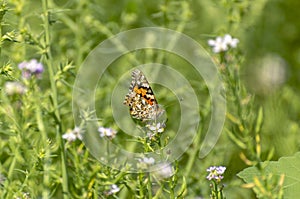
{"type": "Point", "coordinates": [216, 173]}
{"type": "Point", "coordinates": [72, 135]}
{"type": "Point", "coordinates": [222, 44]}
{"type": "Point", "coordinates": [156, 127]}
{"type": "Point", "coordinates": [163, 170]}
{"type": "Point", "coordinates": [107, 132]}
{"type": "Point", "coordinates": [15, 88]}
{"type": "Point", "coordinates": [271, 73]}
{"type": "Point", "coordinates": [145, 162]}
{"type": "Point", "coordinates": [113, 189]}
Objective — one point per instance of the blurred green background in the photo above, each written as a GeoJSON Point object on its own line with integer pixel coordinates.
{"type": "Point", "coordinates": [268, 52]}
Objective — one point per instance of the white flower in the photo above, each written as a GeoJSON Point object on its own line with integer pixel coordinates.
{"type": "Point", "coordinates": [107, 132]}
{"type": "Point", "coordinates": [69, 136]}
{"type": "Point", "coordinates": [218, 45]}
{"type": "Point", "coordinates": [163, 170]}
{"type": "Point", "coordinates": [156, 127]}
{"type": "Point", "coordinates": [12, 88]}
{"type": "Point", "coordinates": [222, 44]}
{"type": "Point", "coordinates": [145, 162]}
{"type": "Point", "coordinates": [229, 41]}
{"type": "Point", "coordinates": [272, 72]}
{"type": "Point", "coordinates": [72, 135]}
{"type": "Point", "coordinates": [113, 189]}
{"type": "Point", "coordinates": [148, 160]}
{"type": "Point", "coordinates": [216, 173]}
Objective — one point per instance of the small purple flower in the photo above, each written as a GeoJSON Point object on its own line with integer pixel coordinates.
{"type": "Point", "coordinates": [107, 132]}
{"type": "Point", "coordinates": [31, 68]}
{"type": "Point", "coordinates": [216, 173]}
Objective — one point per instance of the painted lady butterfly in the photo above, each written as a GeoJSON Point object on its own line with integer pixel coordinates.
{"type": "Point", "coordinates": [141, 100]}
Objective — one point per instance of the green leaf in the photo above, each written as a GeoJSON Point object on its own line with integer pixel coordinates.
{"type": "Point", "coordinates": [259, 120]}
{"type": "Point", "coordinates": [289, 166]}
{"type": "Point", "coordinates": [182, 189]}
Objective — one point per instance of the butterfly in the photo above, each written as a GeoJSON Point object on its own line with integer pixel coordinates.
{"type": "Point", "coordinates": [141, 100]}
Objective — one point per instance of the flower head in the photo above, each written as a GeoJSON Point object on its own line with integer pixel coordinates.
{"type": "Point", "coordinates": [113, 189]}
{"type": "Point", "coordinates": [158, 127]}
{"type": "Point", "coordinates": [163, 170]}
{"type": "Point", "coordinates": [31, 68]}
{"type": "Point", "coordinates": [148, 160]}
{"type": "Point", "coordinates": [218, 45]}
{"type": "Point", "coordinates": [270, 73]}
{"type": "Point", "coordinates": [107, 132]}
{"type": "Point", "coordinates": [145, 162]}
{"type": "Point", "coordinates": [229, 41]}
{"type": "Point", "coordinates": [72, 135]}
{"type": "Point", "coordinates": [216, 173]}
{"type": "Point", "coordinates": [15, 88]}
{"type": "Point", "coordinates": [222, 44]}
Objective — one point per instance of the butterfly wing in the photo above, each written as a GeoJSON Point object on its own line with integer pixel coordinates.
{"type": "Point", "coordinates": [141, 99]}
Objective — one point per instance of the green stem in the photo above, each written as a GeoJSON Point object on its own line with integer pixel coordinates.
{"type": "Point", "coordinates": [221, 194]}
{"type": "Point", "coordinates": [79, 33]}
{"type": "Point", "coordinates": [149, 186]}
{"type": "Point", "coordinates": [180, 27]}
{"type": "Point", "coordinates": [3, 10]}
{"type": "Point", "coordinates": [141, 186]}
{"type": "Point", "coordinates": [193, 155]}
{"type": "Point", "coordinates": [47, 161]}
{"type": "Point", "coordinates": [172, 195]}
{"type": "Point", "coordinates": [12, 165]}
{"type": "Point", "coordinates": [48, 59]}
{"type": "Point", "coordinates": [217, 190]}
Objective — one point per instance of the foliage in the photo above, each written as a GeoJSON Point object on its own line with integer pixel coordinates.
{"type": "Point", "coordinates": [39, 159]}
{"type": "Point", "coordinates": [279, 177]}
